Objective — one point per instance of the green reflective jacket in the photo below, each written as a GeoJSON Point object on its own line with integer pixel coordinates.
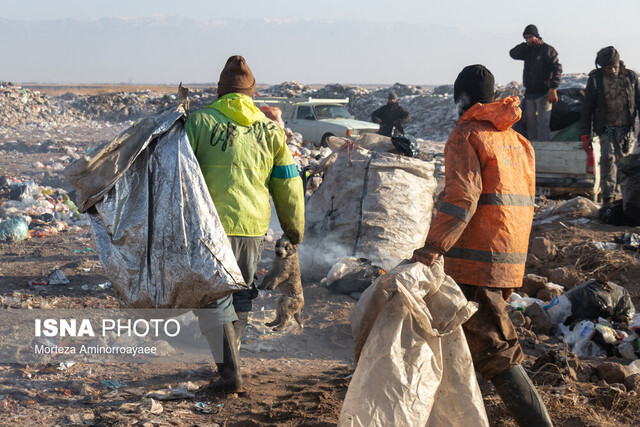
{"type": "Point", "coordinates": [244, 158]}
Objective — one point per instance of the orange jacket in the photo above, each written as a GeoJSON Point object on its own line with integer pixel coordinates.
{"type": "Point", "coordinates": [484, 222]}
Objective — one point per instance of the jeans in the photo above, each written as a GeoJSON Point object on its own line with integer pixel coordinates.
{"type": "Point", "coordinates": [538, 117]}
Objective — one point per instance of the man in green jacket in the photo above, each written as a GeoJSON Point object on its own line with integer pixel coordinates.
{"type": "Point", "coordinates": [244, 158]}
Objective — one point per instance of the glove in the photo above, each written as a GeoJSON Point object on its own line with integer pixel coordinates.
{"type": "Point", "coordinates": [552, 96]}
{"type": "Point", "coordinates": [425, 255]}
{"type": "Point", "coordinates": [586, 143]}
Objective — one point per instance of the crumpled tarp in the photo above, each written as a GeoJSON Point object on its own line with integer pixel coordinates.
{"type": "Point", "coordinates": [414, 365]}
{"type": "Point", "coordinates": [159, 238]}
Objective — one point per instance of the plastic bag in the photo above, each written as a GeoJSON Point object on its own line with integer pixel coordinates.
{"type": "Point", "coordinates": [594, 299]}
{"type": "Point", "coordinates": [406, 145]}
{"type": "Point", "coordinates": [587, 348]}
{"type": "Point", "coordinates": [559, 309]}
{"type": "Point", "coordinates": [414, 367]}
{"type": "Point", "coordinates": [582, 330]}
{"type": "Point", "coordinates": [14, 230]}
{"type": "Point", "coordinates": [159, 238]}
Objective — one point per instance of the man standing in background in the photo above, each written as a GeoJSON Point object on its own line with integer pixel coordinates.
{"type": "Point", "coordinates": [390, 115]}
{"type": "Point", "coordinates": [541, 77]}
{"type": "Point", "coordinates": [610, 106]}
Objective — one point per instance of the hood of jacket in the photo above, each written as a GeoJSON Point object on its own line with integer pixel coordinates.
{"type": "Point", "coordinates": [503, 113]}
{"type": "Point", "coordinates": [238, 107]}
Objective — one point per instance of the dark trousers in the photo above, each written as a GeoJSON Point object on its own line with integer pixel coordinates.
{"type": "Point", "coordinates": [491, 336]}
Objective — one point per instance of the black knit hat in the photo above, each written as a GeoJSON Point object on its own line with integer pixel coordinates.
{"type": "Point", "coordinates": [607, 56]}
{"type": "Point", "coordinates": [236, 77]}
{"type": "Point", "coordinates": [393, 95]}
{"type": "Point", "coordinates": [531, 29]}
{"type": "Point", "coordinates": [475, 83]}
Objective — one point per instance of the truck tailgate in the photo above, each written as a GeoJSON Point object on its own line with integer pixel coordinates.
{"type": "Point", "coordinates": [560, 157]}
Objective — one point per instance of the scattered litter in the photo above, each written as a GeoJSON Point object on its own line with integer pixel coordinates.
{"type": "Point", "coordinates": [172, 394]}
{"type": "Point", "coordinates": [631, 241]}
{"type": "Point", "coordinates": [103, 286]}
{"type": "Point", "coordinates": [14, 230]}
{"type": "Point", "coordinates": [83, 251]}
{"type": "Point", "coordinates": [609, 246]}
{"type": "Point", "coordinates": [85, 287]}
{"type": "Point", "coordinates": [113, 384]}
{"type": "Point", "coordinates": [146, 405]}
{"type": "Point", "coordinates": [65, 365]}
{"type": "Point", "coordinates": [37, 283]}
{"type": "Point", "coordinates": [57, 277]}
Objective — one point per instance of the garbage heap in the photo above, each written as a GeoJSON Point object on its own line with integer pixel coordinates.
{"type": "Point", "coordinates": [29, 210]}
{"type": "Point", "coordinates": [126, 106]}
{"type": "Point", "coordinates": [21, 106]}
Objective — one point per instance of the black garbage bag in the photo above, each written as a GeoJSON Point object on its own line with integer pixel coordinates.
{"type": "Point", "coordinates": [630, 186]}
{"type": "Point", "coordinates": [406, 145]}
{"type": "Point", "coordinates": [594, 299]}
{"type": "Point", "coordinates": [568, 108]}
{"type": "Point", "coordinates": [612, 213]}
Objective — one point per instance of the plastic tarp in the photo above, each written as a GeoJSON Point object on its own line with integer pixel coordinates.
{"type": "Point", "coordinates": [370, 205]}
{"type": "Point", "coordinates": [414, 367]}
{"type": "Point", "coordinates": [159, 238]}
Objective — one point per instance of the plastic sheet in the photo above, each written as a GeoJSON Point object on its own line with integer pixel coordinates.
{"type": "Point", "coordinates": [414, 366]}
{"type": "Point", "coordinates": [158, 235]}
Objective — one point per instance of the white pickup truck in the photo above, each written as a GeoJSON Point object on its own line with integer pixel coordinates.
{"type": "Point", "coordinates": [564, 167]}
{"type": "Point", "coordinates": [318, 119]}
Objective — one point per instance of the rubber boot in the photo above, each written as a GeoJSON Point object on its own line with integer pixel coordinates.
{"type": "Point", "coordinates": [521, 398]}
{"type": "Point", "coordinates": [240, 325]}
{"type": "Point", "coordinates": [230, 379]}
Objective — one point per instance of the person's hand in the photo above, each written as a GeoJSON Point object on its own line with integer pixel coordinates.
{"type": "Point", "coordinates": [586, 143]}
{"type": "Point", "coordinates": [425, 255]}
{"type": "Point", "coordinates": [377, 120]}
{"type": "Point", "coordinates": [552, 96]}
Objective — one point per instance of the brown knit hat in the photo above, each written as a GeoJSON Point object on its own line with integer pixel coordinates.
{"type": "Point", "coordinates": [236, 77]}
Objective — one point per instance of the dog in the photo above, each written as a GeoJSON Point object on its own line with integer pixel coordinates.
{"type": "Point", "coordinates": [285, 275]}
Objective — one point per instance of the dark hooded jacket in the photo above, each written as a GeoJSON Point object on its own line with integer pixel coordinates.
{"type": "Point", "coordinates": [388, 114]}
{"type": "Point", "coordinates": [542, 69]}
{"type": "Point", "coordinates": [593, 104]}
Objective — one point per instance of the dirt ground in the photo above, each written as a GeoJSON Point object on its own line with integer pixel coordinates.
{"type": "Point", "coordinates": [295, 377]}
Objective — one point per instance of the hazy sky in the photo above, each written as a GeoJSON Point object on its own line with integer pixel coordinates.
{"type": "Point", "coordinates": [328, 41]}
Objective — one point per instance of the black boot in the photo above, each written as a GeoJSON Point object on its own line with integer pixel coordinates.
{"type": "Point", "coordinates": [230, 379]}
{"type": "Point", "coordinates": [521, 398]}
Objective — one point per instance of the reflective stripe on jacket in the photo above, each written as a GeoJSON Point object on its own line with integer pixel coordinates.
{"type": "Point", "coordinates": [244, 158]}
{"type": "Point", "coordinates": [485, 219]}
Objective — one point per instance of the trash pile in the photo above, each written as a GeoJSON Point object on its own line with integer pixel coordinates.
{"type": "Point", "coordinates": [595, 318]}
{"type": "Point", "coordinates": [289, 89]}
{"type": "Point", "coordinates": [29, 210]}
{"type": "Point", "coordinates": [21, 106]}
{"type": "Point", "coordinates": [124, 106]}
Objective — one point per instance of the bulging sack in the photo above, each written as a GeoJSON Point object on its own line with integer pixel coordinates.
{"type": "Point", "coordinates": [370, 205]}
{"type": "Point", "coordinates": [414, 367]}
{"type": "Point", "coordinates": [159, 237]}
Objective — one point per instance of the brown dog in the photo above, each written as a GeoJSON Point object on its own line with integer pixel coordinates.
{"type": "Point", "coordinates": [285, 274]}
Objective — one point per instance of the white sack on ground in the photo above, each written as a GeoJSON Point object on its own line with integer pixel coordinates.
{"type": "Point", "coordinates": [370, 205]}
{"type": "Point", "coordinates": [159, 237]}
{"type": "Point", "coordinates": [414, 367]}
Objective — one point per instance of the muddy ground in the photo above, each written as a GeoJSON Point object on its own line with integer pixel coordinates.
{"type": "Point", "coordinates": [294, 377]}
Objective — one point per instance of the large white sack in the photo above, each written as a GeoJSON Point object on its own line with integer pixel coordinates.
{"type": "Point", "coordinates": [414, 367]}
{"type": "Point", "coordinates": [370, 205]}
